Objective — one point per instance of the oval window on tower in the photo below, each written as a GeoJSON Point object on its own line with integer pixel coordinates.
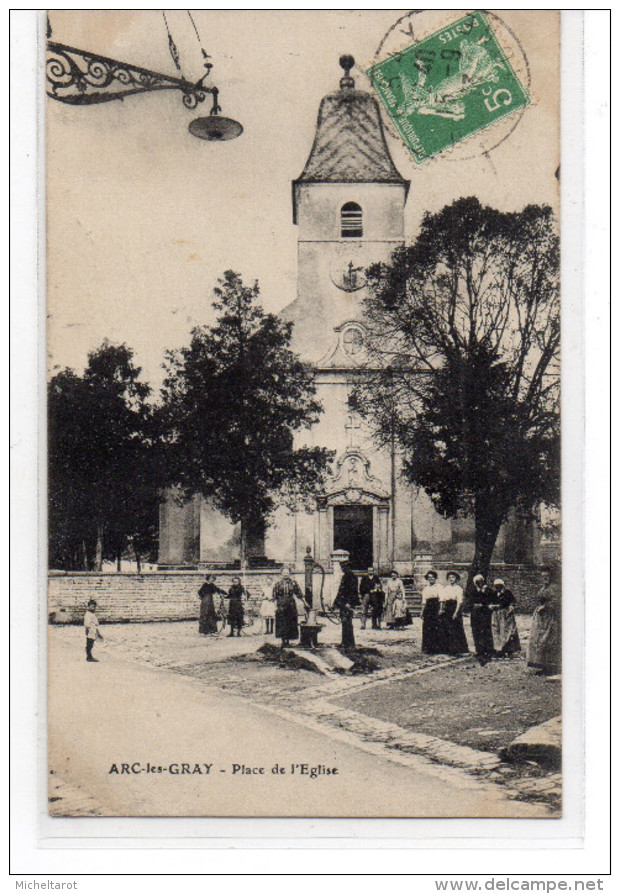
{"type": "Point", "coordinates": [351, 221]}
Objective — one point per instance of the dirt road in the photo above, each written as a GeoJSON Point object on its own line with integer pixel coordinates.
{"type": "Point", "coordinates": [145, 741]}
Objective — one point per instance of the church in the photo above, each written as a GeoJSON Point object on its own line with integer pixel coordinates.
{"type": "Point", "coordinates": [348, 206]}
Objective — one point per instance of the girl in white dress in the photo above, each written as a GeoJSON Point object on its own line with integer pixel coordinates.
{"type": "Point", "coordinates": [267, 611]}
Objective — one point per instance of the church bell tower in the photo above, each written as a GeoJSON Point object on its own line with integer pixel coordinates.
{"type": "Point", "coordinates": [348, 205]}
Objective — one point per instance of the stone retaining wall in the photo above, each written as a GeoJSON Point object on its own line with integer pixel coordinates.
{"type": "Point", "coordinates": [158, 596]}
{"type": "Point", "coordinates": [173, 595]}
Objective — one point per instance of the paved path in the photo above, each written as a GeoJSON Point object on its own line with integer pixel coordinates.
{"type": "Point", "coordinates": [118, 712]}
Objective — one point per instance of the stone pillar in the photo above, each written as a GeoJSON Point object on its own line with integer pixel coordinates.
{"type": "Point", "coordinates": [338, 559]}
{"type": "Point", "coordinates": [381, 549]}
{"type": "Point", "coordinates": [323, 536]}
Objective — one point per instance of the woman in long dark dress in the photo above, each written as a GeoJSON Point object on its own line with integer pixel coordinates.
{"type": "Point", "coordinates": [432, 630]}
{"type": "Point", "coordinates": [451, 616]}
{"type": "Point", "coordinates": [207, 622]}
{"type": "Point", "coordinates": [284, 592]}
{"type": "Point", "coordinates": [236, 595]}
{"type": "Point", "coordinates": [503, 623]}
{"type": "Point", "coordinates": [479, 599]}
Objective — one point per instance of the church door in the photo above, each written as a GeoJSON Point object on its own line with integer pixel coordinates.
{"type": "Point", "coordinates": [353, 532]}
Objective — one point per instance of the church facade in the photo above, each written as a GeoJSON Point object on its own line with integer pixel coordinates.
{"type": "Point", "coordinates": [348, 207]}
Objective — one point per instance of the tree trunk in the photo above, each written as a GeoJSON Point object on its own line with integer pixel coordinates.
{"type": "Point", "coordinates": [138, 565]}
{"type": "Point", "coordinates": [118, 560]}
{"type": "Point", "coordinates": [84, 556]}
{"type": "Point", "coordinates": [243, 544]}
{"type": "Point", "coordinates": [99, 548]}
{"type": "Point", "coordinates": [487, 530]}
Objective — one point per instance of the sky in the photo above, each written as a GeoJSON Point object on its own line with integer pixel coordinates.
{"type": "Point", "coordinates": [142, 217]}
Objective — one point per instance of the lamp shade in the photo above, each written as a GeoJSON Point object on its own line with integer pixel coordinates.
{"type": "Point", "coordinates": [215, 128]}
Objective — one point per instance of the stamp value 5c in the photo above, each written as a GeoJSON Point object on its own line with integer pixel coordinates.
{"type": "Point", "coordinates": [448, 86]}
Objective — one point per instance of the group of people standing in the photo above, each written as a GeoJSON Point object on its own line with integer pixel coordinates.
{"type": "Point", "coordinates": [442, 616]}
{"type": "Point", "coordinates": [212, 614]}
{"type": "Point", "coordinates": [280, 611]}
{"type": "Point", "coordinates": [377, 600]}
{"type": "Point", "coordinates": [383, 602]}
{"type": "Point", "coordinates": [491, 608]}
{"type": "Point", "coordinates": [492, 617]}
{"type": "Point", "coordinates": [493, 622]}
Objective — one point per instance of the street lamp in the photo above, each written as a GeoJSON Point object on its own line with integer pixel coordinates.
{"type": "Point", "coordinates": [80, 78]}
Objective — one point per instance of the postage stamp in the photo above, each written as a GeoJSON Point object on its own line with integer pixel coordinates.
{"type": "Point", "coordinates": [448, 86]}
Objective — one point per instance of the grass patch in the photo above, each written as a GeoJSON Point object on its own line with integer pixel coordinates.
{"type": "Point", "coordinates": [286, 658]}
{"type": "Point", "coordinates": [365, 660]}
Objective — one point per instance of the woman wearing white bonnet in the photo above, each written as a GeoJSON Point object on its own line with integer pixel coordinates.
{"type": "Point", "coordinates": [478, 598]}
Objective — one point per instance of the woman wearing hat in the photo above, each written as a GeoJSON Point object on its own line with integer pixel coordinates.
{"type": "Point", "coordinates": [503, 623]}
{"type": "Point", "coordinates": [433, 641]}
{"type": "Point", "coordinates": [451, 615]}
{"type": "Point", "coordinates": [479, 600]}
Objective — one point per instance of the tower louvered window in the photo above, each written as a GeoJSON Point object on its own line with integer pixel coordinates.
{"type": "Point", "coordinates": [351, 221]}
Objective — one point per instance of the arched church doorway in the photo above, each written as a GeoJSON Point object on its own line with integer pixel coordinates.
{"type": "Point", "coordinates": [353, 531]}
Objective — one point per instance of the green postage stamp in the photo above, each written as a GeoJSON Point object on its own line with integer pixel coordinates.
{"type": "Point", "coordinates": [448, 86]}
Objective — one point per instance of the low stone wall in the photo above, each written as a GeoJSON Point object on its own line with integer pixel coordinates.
{"type": "Point", "coordinates": [173, 595]}
{"type": "Point", "coordinates": [157, 596]}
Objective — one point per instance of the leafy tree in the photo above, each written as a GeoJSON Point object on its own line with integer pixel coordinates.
{"type": "Point", "coordinates": [232, 401]}
{"type": "Point", "coordinates": [104, 459]}
{"type": "Point", "coordinates": [464, 341]}
{"type": "Point", "coordinates": [69, 522]}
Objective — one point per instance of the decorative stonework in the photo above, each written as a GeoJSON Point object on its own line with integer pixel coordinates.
{"type": "Point", "coordinates": [348, 348]}
{"type": "Point", "coordinates": [352, 482]}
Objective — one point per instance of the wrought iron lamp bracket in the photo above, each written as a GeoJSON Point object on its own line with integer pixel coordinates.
{"type": "Point", "coordinates": [80, 78]}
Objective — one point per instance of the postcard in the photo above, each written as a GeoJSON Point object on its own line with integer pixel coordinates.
{"type": "Point", "coordinates": [303, 403]}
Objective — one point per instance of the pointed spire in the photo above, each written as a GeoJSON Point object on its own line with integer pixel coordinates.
{"type": "Point", "coordinates": [349, 144]}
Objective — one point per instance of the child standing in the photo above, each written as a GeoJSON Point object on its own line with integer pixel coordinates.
{"type": "Point", "coordinates": [268, 613]}
{"type": "Point", "coordinates": [91, 628]}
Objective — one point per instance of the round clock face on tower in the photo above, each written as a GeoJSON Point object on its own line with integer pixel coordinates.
{"type": "Point", "coordinates": [347, 274]}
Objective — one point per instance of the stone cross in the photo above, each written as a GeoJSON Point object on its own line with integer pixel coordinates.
{"type": "Point", "coordinates": [352, 427]}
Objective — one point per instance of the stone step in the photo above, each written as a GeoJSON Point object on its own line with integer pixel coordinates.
{"type": "Point", "coordinates": [541, 743]}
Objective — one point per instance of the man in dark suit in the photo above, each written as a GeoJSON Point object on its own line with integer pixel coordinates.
{"type": "Point", "coordinates": [345, 602]}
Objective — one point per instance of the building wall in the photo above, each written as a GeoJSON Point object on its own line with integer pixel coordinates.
{"type": "Point", "coordinates": [219, 539]}
{"type": "Point", "coordinates": [319, 204]}
{"type": "Point", "coordinates": [324, 255]}
{"type": "Point", "coordinates": [179, 530]}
